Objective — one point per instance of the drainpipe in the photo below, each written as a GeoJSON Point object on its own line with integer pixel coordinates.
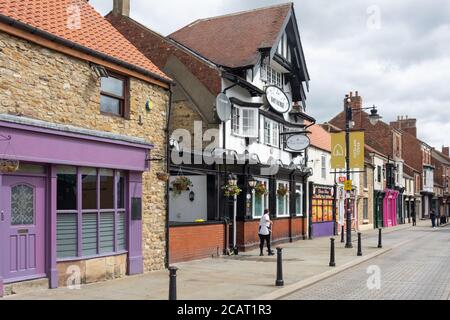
{"type": "Point", "coordinates": [169, 114]}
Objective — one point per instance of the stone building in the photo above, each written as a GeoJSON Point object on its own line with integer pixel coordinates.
{"type": "Point", "coordinates": [82, 113]}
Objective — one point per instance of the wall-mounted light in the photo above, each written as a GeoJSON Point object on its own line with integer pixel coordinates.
{"type": "Point", "coordinates": [192, 196]}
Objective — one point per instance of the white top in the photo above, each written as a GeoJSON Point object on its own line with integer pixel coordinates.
{"type": "Point", "coordinates": [264, 224]}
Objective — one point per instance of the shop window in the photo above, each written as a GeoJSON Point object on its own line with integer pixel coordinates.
{"type": "Point", "coordinates": [245, 122]}
{"type": "Point", "coordinates": [322, 209]}
{"type": "Point", "coordinates": [114, 95]}
{"type": "Point", "coordinates": [102, 213]}
{"type": "Point", "coordinates": [271, 133]}
{"type": "Point", "coordinates": [282, 200]}
{"type": "Point", "coordinates": [260, 202]}
{"type": "Point", "coordinates": [299, 200]}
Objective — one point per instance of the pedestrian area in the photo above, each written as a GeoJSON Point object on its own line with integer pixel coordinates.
{"type": "Point", "coordinates": [246, 276]}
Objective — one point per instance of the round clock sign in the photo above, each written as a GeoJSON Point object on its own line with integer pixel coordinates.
{"type": "Point", "coordinates": [298, 142]}
{"type": "Point", "coordinates": [277, 99]}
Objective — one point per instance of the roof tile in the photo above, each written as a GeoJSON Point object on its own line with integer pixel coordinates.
{"type": "Point", "coordinates": [61, 17]}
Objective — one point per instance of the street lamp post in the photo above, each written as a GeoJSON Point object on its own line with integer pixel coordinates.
{"type": "Point", "coordinates": [233, 181]}
{"type": "Point", "coordinates": [373, 118]}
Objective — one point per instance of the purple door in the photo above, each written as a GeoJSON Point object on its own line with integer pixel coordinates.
{"type": "Point", "coordinates": [22, 223]}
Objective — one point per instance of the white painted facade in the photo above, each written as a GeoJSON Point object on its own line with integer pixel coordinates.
{"type": "Point", "coordinates": [320, 161]}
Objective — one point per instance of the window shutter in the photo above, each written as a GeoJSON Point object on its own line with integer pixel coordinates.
{"type": "Point", "coordinates": [121, 232]}
{"type": "Point", "coordinates": [106, 232]}
{"type": "Point", "coordinates": [66, 235]}
{"type": "Point", "coordinates": [89, 234]}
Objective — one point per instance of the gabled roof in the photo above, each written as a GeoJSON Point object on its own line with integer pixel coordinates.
{"type": "Point", "coordinates": [235, 40]}
{"type": "Point", "coordinates": [60, 19]}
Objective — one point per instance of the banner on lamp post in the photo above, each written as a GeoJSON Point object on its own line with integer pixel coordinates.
{"type": "Point", "coordinates": [338, 150]}
{"type": "Point", "coordinates": [357, 150]}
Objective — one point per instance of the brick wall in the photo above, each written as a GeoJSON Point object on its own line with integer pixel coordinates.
{"type": "Point", "coordinates": [158, 49]}
{"type": "Point", "coordinates": [196, 242]}
{"type": "Point", "coordinates": [248, 238]}
{"type": "Point", "coordinates": [39, 83]}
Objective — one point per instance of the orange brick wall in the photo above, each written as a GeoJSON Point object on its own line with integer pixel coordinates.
{"type": "Point", "coordinates": [188, 243]}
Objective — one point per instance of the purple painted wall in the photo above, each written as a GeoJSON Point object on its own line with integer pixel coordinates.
{"type": "Point", "coordinates": [324, 229]}
{"type": "Point", "coordinates": [135, 259]}
{"type": "Point", "coordinates": [54, 147]}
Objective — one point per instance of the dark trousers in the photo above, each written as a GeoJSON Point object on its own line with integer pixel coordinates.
{"type": "Point", "coordinates": [263, 238]}
{"type": "Point", "coordinates": [414, 222]}
{"type": "Point", "coordinates": [433, 222]}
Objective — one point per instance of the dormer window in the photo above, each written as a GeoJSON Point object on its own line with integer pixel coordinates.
{"type": "Point", "coordinates": [271, 76]}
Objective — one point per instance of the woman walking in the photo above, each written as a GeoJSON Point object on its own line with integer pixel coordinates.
{"type": "Point", "coordinates": [265, 229]}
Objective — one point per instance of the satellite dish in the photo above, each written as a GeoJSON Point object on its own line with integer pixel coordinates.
{"type": "Point", "coordinates": [223, 107]}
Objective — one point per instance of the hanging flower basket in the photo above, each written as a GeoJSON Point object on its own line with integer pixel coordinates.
{"type": "Point", "coordinates": [282, 191]}
{"type": "Point", "coordinates": [181, 184]}
{"type": "Point", "coordinates": [8, 166]}
{"type": "Point", "coordinates": [163, 176]}
{"type": "Point", "coordinates": [231, 190]}
{"type": "Point", "coordinates": [260, 189]}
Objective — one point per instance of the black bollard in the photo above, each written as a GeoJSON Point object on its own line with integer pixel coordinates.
{"type": "Point", "coordinates": [280, 281]}
{"type": "Point", "coordinates": [380, 243]}
{"type": "Point", "coordinates": [173, 283]}
{"type": "Point", "coordinates": [359, 245]}
{"type": "Point", "coordinates": [342, 234]}
{"type": "Point", "coordinates": [332, 255]}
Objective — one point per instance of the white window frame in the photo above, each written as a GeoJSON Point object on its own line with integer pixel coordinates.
{"type": "Point", "coordinates": [237, 122]}
{"type": "Point", "coordinates": [286, 198]}
{"type": "Point", "coordinates": [264, 197]}
{"type": "Point", "coordinates": [271, 76]}
{"type": "Point", "coordinates": [299, 190]}
{"type": "Point", "coordinates": [323, 166]}
{"type": "Point", "coordinates": [274, 133]}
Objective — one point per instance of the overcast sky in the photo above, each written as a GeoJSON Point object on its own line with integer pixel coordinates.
{"type": "Point", "coordinates": [395, 53]}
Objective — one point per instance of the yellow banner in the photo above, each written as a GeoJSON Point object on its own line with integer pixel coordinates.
{"type": "Point", "coordinates": [338, 150]}
{"type": "Point", "coordinates": [357, 150]}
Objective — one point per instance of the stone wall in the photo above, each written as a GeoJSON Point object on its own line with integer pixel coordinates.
{"type": "Point", "coordinates": [42, 84]}
{"type": "Point", "coordinates": [366, 193]}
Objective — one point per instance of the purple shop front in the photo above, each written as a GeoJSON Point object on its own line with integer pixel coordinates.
{"type": "Point", "coordinates": [76, 196]}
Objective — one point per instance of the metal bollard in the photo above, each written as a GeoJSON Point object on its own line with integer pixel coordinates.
{"type": "Point", "coordinates": [173, 283]}
{"type": "Point", "coordinates": [359, 245]}
{"type": "Point", "coordinates": [380, 243]}
{"type": "Point", "coordinates": [332, 254]}
{"type": "Point", "coordinates": [342, 234]}
{"type": "Point", "coordinates": [280, 281]}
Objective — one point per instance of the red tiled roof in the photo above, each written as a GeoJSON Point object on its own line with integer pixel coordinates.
{"type": "Point", "coordinates": [234, 40]}
{"type": "Point", "coordinates": [320, 138]}
{"type": "Point", "coordinates": [95, 32]}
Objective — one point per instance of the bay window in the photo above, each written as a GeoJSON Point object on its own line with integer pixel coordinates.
{"type": "Point", "coordinates": [244, 122]}
{"type": "Point", "coordinates": [91, 214]}
{"type": "Point", "coordinates": [271, 133]}
{"type": "Point", "coordinates": [282, 199]}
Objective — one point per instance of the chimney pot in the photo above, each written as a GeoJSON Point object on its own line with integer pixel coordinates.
{"type": "Point", "coordinates": [122, 7]}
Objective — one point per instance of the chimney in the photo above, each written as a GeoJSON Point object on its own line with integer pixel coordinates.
{"type": "Point", "coordinates": [356, 100]}
{"type": "Point", "coordinates": [406, 124]}
{"type": "Point", "coordinates": [122, 7]}
{"type": "Point", "coordinates": [446, 151]}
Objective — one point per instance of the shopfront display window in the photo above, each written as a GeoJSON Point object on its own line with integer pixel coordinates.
{"type": "Point", "coordinates": [322, 209]}
{"type": "Point", "coordinates": [91, 222]}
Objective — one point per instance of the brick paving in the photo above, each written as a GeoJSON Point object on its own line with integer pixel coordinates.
{"type": "Point", "coordinates": [418, 270]}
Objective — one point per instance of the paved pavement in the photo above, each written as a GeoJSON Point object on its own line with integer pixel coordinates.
{"type": "Point", "coordinates": [418, 270]}
{"type": "Point", "coordinates": [242, 277]}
